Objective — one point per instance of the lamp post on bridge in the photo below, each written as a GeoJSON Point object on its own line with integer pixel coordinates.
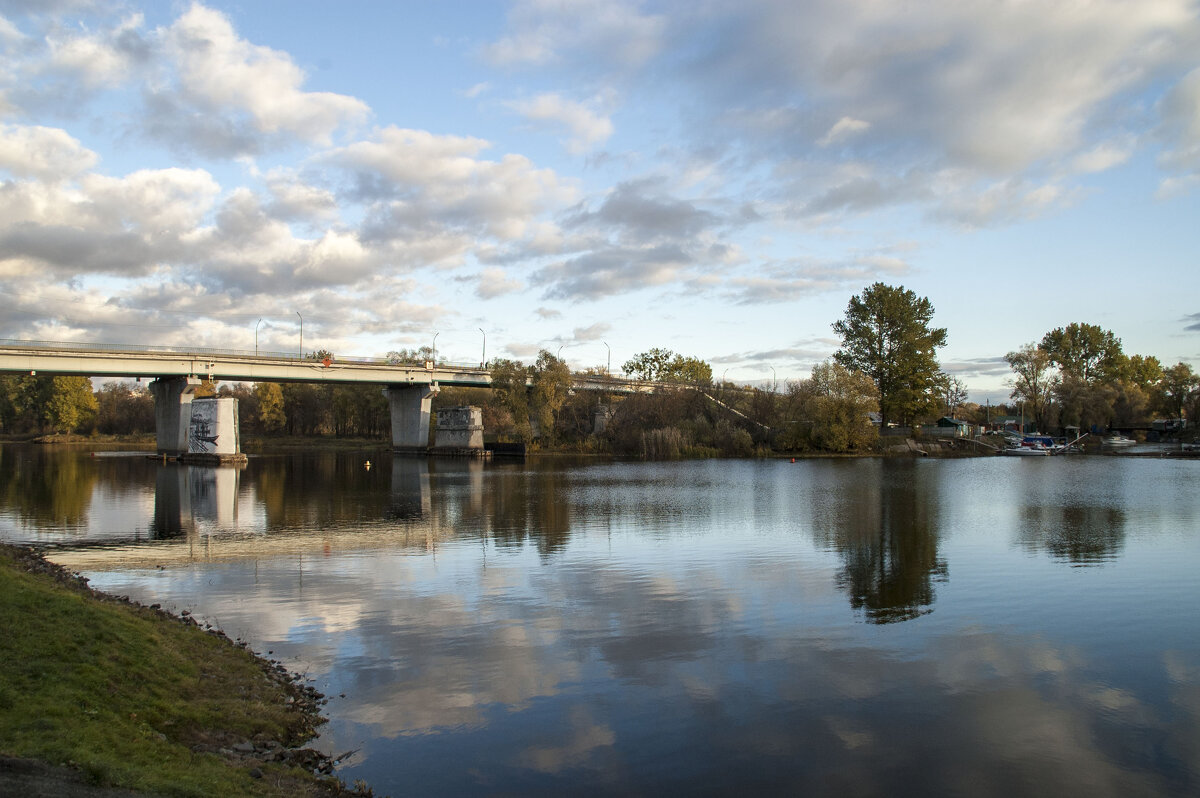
{"type": "Point", "coordinates": [301, 335]}
{"type": "Point", "coordinates": [483, 357]}
{"type": "Point", "coordinates": [433, 349]}
{"type": "Point", "coordinates": [773, 379]}
{"type": "Point", "coordinates": [256, 337]}
{"type": "Point", "coordinates": [608, 368]}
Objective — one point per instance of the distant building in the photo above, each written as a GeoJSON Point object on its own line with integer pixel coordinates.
{"type": "Point", "coordinates": [947, 427]}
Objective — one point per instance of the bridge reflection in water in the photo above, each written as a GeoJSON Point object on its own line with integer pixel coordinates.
{"type": "Point", "coordinates": [230, 512]}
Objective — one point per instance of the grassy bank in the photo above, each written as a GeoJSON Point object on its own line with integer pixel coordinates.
{"type": "Point", "coordinates": [132, 697]}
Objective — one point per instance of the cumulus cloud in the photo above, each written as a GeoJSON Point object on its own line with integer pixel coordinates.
{"type": "Point", "coordinates": [642, 211]}
{"type": "Point", "coordinates": [65, 251]}
{"type": "Point", "coordinates": [246, 86]}
{"type": "Point", "coordinates": [612, 271]}
{"type": "Point", "coordinates": [102, 225]}
{"type": "Point", "coordinates": [248, 251]}
{"type": "Point", "coordinates": [593, 332]}
{"type": "Point", "coordinates": [154, 201]}
{"type": "Point", "coordinates": [42, 152]}
{"type": "Point", "coordinates": [495, 282]}
{"type": "Point", "coordinates": [587, 128]}
{"type": "Point", "coordinates": [542, 32]}
{"type": "Point", "coordinates": [293, 199]}
{"type": "Point", "coordinates": [422, 184]}
{"type": "Point", "coordinates": [97, 60]}
{"type": "Point", "coordinates": [637, 235]}
{"type": "Point", "coordinates": [998, 93]}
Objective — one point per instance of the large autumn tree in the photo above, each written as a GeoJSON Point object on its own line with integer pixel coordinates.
{"type": "Point", "coordinates": [1089, 359]}
{"type": "Point", "coordinates": [1084, 352]}
{"type": "Point", "coordinates": [663, 365]}
{"type": "Point", "coordinates": [1034, 380]}
{"type": "Point", "coordinates": [886, 335]}
{"type": "Point", "coordinates": [1179, 384]}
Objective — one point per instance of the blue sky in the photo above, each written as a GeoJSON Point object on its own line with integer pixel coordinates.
{"type": "Point", "coordinates": [717, 178]}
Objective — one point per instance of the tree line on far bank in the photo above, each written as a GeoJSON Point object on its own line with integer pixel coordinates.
{"type": "Point", "coordinates": [885, 373]}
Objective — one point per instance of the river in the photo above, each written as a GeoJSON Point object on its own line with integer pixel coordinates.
{"type": "Point", "coordinates": [859, 627]}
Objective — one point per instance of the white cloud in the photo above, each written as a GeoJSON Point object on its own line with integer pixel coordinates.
{"type": "Point", "coordinates": [996, 91]}
{"type": "Point", "coordinates": [1172, 187]}
{"type": "Point", "coordinates": [43, 152]}
{"type": "Point", "coordinates": [154, 201]}
{"type": "Point", "coordinates": [423, 183]}
{"type": "Point", "coordinates": [10, 35]}
{"type": "Point", "coordinates": [495, 282]}
{"type": "Point", "coordinates": [545, 31]}
{"type": "Point", "coordinates": [102, 59]}
{"type": "Point", "coordinates": [1180, 127]}
{"type": "Point", "coordinates": [790, 280]}
{"type": "Point", "coordinates": [1102, 157]}
{"type": "Point", "coordinates": [843, 129]}
{"type": "Point", "coordinates": [587, 128]}
{"type": "Point", "coordinates": [593, 332]}
{"type": "Point", "coordinates": [293, 199]}
{"type": "Point", "coordinates": [220, 72]}
{"type": "Point", "coordinates": [1003, 201]}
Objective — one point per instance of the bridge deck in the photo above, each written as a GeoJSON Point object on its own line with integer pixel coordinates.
{"type": "Point", "coordinates": [37, 357]}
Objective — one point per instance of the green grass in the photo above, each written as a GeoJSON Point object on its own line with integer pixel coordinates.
{"type": "Point", "coordinates": [122, 693]}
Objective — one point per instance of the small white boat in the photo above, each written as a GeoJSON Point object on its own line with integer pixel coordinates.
{"type": "Point", "coordinates": [1117, 441]}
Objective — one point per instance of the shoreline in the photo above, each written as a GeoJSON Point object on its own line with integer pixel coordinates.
{"type": "Point", "coordinates": [77, 720]}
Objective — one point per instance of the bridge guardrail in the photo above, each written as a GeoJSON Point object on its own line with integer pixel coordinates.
{"type": "Point", "coordinates": [617, 380]}
{"type": "Point", "coordinates": [75, 346]}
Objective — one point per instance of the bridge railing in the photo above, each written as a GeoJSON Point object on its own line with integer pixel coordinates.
{"type": "Point", "coordinates": [73, 346]}
{"type": "Point", "coordinates": [617, 380]}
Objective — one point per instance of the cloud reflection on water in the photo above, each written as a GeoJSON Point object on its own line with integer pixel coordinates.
{"type": "Point", "coordinates": [715, 627]}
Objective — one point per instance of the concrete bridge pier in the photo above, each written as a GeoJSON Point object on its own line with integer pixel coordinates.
{"type": "Point", "coordinates": [172, 412]}
{"type": "Point", "coordinates": [410, 406]}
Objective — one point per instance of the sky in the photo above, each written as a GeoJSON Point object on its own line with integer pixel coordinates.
{"type": "Point", "coordinates": [713, 177]}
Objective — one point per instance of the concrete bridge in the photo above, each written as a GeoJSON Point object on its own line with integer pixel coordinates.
{"type": "Point", "coordinates": [175, 373]}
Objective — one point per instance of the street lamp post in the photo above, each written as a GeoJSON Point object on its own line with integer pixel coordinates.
{"type": "Point", "coordinates": [301, 335]}
{"type": "Point", "coordinates": [256, 337]}
{"type": "Point", "coordinates": [483, 357]}
{"type": "Point", "coordinates": [433, 350]}
{"type": "Point", "coordinates": [773, 379]}
{"type": "Point", "coordinates": [608, 368]}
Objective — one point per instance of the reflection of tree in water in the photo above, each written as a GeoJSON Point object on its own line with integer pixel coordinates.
{"type": "Point", "coordinates": [48, 486]}
{"type": "Point", "coordinates": [314, 490]}
{"type": "Point", "coordinates": [887, 538]}
{"type": "Point", "coordinates": [528, 504]}
{"type": "Point", "coordinates": [1075, 533]}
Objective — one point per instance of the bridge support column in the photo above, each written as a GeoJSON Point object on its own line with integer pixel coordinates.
{"type": "Point", "coordinates": [172, 412]}
{"type": "Point", "coordinates": [410, 405]}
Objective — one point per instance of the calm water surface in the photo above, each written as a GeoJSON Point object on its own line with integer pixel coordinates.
{"type": "Point", "coordinates": [978, 627]}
